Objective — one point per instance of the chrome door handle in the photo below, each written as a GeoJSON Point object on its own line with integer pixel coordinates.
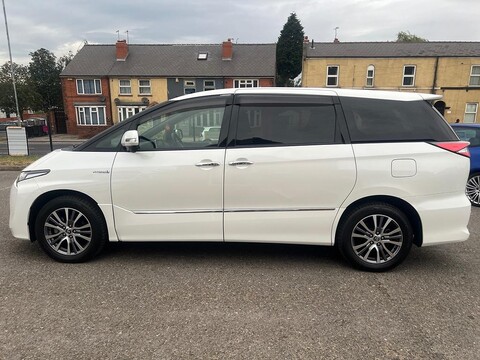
{"type": "Point", "coordinates": [240, 163]}
{"type": "Point", "coordinates": [207, 164]}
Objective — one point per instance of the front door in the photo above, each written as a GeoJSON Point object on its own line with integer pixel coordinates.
{"type": "Point", "coordinates": [171, 189]}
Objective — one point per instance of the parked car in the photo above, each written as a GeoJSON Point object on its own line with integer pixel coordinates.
{"type": "Point", "coordinates": [4, 125]}
{"type": "Point", "coordinates": [471, 133]}
{"type": "Point", "coordinates": [370, 172]}
{"type": "Point", "coordinates": [211, 133]}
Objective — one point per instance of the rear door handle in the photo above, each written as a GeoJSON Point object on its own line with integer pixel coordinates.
{"type": "Point", "coordinates": [240, 163]}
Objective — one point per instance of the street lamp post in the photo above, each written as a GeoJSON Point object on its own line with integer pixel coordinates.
{"type": "Point", "coordinates": [11, 63]}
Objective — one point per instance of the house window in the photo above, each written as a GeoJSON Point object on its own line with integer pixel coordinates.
{"type": "Point", "coordinates": [125, 87]}
{"type": "Point", "coordinates": [332, 75]}
{"type": "Point", "coordinates": [370, 75]}
{"type": "Point", "coordinates": [408, 75]}
{"type": "Point", "coordinates": [245, 83]}
{"type": "Point", "coordinates": [475, 75]}
{"type": "Point", "coordinates": [189, 86]}
{"type": "Point", "coordinates": [202, 56]}
{"type": "Point", "coordinates": [86, 87]}
{"type": "Point", "coordinates": [470, 113]}
{"type": "Point", "coordinates": [144, 87]}
{"type": "Point", "coordinates": [90, 115]}
{"type": "Point", "coordinates": [124, 112]}
{"type": "Point", "coordinates": [208, 85]}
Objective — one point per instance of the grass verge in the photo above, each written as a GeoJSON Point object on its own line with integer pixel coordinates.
{"type": "Point", "coordinates": [21, 161]}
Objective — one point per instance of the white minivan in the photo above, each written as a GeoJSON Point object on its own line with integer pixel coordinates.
{"type": "Point", "coordinates": [370, 172]}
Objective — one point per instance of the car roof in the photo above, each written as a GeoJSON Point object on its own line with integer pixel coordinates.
{"type": "Point", "coordinates": [368, 94]}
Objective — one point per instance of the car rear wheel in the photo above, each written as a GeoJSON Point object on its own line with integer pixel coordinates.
{"type": "Point", "coordinates": [472, 189]}
{"type": "Point", "coordinates": [375, 237]}
{"type": "Point", "coordinates": [71, 229]}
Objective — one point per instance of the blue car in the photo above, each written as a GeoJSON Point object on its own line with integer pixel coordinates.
{"type": "Point", "coordinates": [471, 133]}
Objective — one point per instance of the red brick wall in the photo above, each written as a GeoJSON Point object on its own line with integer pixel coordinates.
{"type": "Point", "coordinates": [70, 96]}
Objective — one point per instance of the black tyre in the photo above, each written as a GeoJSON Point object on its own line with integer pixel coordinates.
{"type": "Point", "coordinates": [472, 190]}
{"type": "Point", "coordinates": [375, 237]}
{"type": "Point", "coordinates": [71, 229]}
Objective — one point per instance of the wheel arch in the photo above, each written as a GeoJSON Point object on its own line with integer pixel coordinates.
{"type": "Point", "coordinates": [48, 196]}
{"type": "Point", "coordinates": [409, 211]}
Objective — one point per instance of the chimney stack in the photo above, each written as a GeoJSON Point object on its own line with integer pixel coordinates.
{"type": "Point", "coordinates": [122, 50]}
{"type": "Point", "coordinates": [227, 50]}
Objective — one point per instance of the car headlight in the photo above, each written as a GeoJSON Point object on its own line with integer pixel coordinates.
{"type": "Point", "coordinates": [30, 174]}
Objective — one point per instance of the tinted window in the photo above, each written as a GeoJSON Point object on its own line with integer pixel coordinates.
{"type": "Point", "coordinates": [371, 120]}
{"type": "Point", "coordinates": [286, 125]}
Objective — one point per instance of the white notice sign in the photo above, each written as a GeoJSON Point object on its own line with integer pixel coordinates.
{"type": "Point", "coordinates": [17, 140]}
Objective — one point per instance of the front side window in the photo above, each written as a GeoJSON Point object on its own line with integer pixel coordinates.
{"type": "Point", "coordinates": [89, 86]}
{"type": "Point", "coordinates": [90, 115]}
{"type": "Point", "coordinates": [182, 130]}
{"type": "Point", "coordinates": [370, 76]}
{"type": "Point", "coordinates": [124, 112]}
{"type": "Point", "coordinates": [245, 83]}
{"type": "Point", "coordinates": [470, 113]}
{"type": "Point", "coordinates": [144, 87]}
{"type": "Point", "coordinates": [286, 125]}
{"type": "Point", "coordinates": [475, 75]}
{"type": "Point", "coordinates": [408, 75]}
{"type": "Point", "coordinates": [332, 75]}
{"type": "Point", "coordinates": [125, 87]}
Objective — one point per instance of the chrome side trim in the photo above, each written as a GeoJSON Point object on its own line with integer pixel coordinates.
{"type": "Point", "coordinates": [277, 210]}
{"type": "Point", "coordinates": [204, 211]}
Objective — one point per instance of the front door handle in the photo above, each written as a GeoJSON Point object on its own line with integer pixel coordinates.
{"type": "Point", "coordinates": [207, 164]}
{"type": "Point", "coordinates": [240, 163]}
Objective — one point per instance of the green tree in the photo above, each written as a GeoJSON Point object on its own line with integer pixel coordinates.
{"type": "Point", "coordinates": [405, 36]}
{"type": "Point", "coordinates": [25, 93]}
{"type": "Point", "coordinates": [45, 79]}
{"type": "Point", "coordinates": [64, 60]}
{"type": "Point", "coordinates": [289, 51]}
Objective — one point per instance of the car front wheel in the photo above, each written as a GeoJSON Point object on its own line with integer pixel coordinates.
{"type": "Point", "coordinates": [71, 229]}
{"type": "Point", "coordinates": [375, 237]}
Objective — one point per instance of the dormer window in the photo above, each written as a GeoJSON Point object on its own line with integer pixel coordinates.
{"type": "Point", "coordinates": [202, 56]}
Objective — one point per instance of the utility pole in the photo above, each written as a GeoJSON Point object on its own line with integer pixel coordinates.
{"type": "Point", "coordinates": [19, 116]}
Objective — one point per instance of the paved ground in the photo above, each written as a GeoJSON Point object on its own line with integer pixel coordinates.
{"type": "Point", "coordinates": [221, 301]}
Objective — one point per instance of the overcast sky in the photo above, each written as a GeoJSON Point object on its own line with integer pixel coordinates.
{"type": "Point", "coordinates": [63, 25]}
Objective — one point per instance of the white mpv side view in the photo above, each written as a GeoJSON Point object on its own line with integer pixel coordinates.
{"type": "Point", "coordinates": [370, 172]}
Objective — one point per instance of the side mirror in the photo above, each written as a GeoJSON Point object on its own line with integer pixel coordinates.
{"type": "Point", "coordinates": [130, 140]}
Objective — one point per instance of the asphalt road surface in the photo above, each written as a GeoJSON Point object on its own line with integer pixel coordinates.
{"type": "Point", "coordinates": [236, 301]}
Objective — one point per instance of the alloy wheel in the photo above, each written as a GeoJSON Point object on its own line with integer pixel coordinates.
{"type": "Point", "coordinates": [473, 189]}
{"type": "Point", "coordinates": [68, 231]}
{"type": "Point", "coordinates": [377, 239]}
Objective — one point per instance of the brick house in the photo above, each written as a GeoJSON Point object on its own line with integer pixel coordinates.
{"type": "Point", "coordinates": [105, 84]}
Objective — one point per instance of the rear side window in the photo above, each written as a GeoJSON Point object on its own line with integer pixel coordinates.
{"type": "Point", "coordinates": [372, 120]}
{"type": "Point", "coordinates": [468, 134]}
{"type": "Point", "coordinates": [286, 125]}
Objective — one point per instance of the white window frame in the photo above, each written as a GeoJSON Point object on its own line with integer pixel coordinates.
{"type": "Point", "coordinates": [468, 114]}
{"type": "Point", "coordinates": [474, 76]}
{"type": "Point", "coordinates": [97, 90]}
{"type": "Point", "coordinates": [85, 115]}
{"type": "Point", "coordinates": [129, 87]}
{"type": "Point", "coordinates": [336, 77]}
{"type": "Point", "coordinates": [208, 87]}
{"type": "Point", "coordinates": [189, 83]}
{"type": "Point", "coordinates": [246, 83]}
{"type": "Point", "coordinates": [408, 76]}
{"type": "Point", "coordinates": [370, 80]}
{"type": "Point", "coordinates": [144, 87]}
{"type": "Point", "coordinates": [124, 112]}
